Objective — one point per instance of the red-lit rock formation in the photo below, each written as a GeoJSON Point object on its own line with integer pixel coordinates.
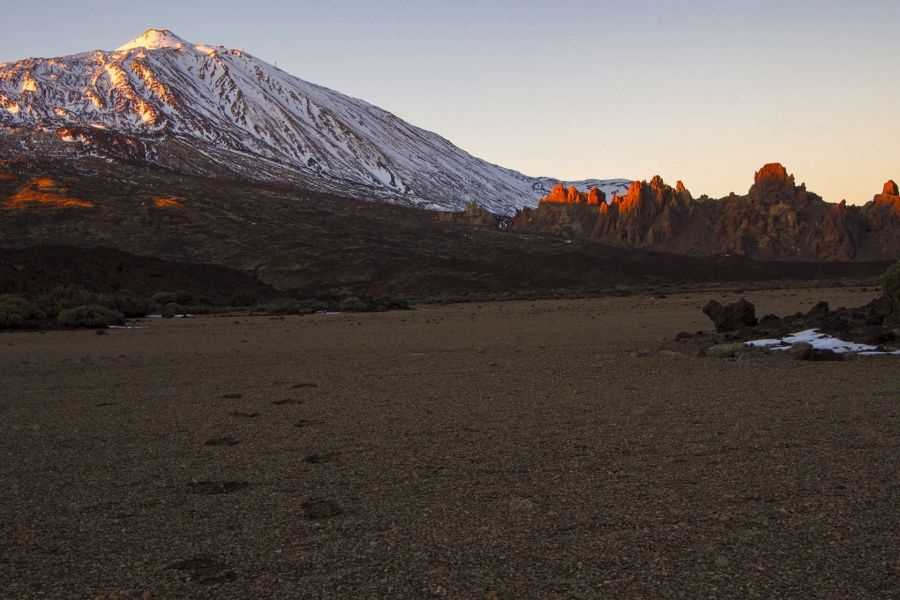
{"type": "Point", "coordinates": [595, 197]}
{"type": "Point", "coordinates": [777, 219]}
{"type": "Point", "coordinates": [647, 215]}
{"type": "Point", "coordinates": [773, 173]}
{"type": "Point", "coordinates": [888, 200]}
{"type": "Point", "coordinates": [560, 195]}
{"type": "Point", "coordinates": [566, 212]}
{"type": "Point", "coordinates": [882, 220]}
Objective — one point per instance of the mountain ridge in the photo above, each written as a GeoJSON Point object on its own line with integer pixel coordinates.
{"type": "Point", "coordinates": [776, 220]}
{"type": "Point", "coordinates": [165, 97]}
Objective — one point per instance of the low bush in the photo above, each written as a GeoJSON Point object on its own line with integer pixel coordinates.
{"type": "Point", "coordinates": [16, 312]}
{"type": "Point", "coordinates": [163, 298]}
{"type": "Point", "coordinates": [210, 300]}
{"type": "Point", "coordinates": [183, 297]}
{"type": "Point", "coordinates": [287, 306]}
{"type": "Point", "coordinates": [10, 318]}
{"type": "Point", "coordinates": [71, 296]}
{"type": "Point", "coordinates": [130, 304]}
{"type": "Point", "coordinates": [172, 309]}
{"type": "Point", "coordinates": [352, 304]}
{"type": "Point", "coordinates": [91, 316]}
{"type": "Point", "coordinates": [48, 305]}
{"type": "Point", "coordinates": [890, 285]}
{"type": "Point", "coordinates": [242, 299]}
{"type": "Point", "coordinates": [390, 303]}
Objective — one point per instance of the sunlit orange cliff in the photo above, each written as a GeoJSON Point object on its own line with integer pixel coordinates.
{"type": "Point", "coordinates": [776, 219]}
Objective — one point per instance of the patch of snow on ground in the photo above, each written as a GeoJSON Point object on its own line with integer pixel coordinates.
{"type": "Point", "coordinates": [820, 341]}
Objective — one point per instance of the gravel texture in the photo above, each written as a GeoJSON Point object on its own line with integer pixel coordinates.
{"type": "Point", "coordinates": [505, 450]}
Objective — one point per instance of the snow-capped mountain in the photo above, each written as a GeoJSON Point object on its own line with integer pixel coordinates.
{"type": "Point", "coordinates": [210, 110]}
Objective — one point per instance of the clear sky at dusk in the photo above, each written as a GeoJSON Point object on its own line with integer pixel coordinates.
{"type": "Point", "coordinates": [702, 91]}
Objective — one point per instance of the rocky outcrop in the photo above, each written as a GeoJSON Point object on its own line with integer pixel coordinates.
{"type": "Point", "coordinates": [776, 220]}
{"type": "Point", "coordinates": [565, 212]}
{"type": "Point", "coordinates": [475, 215]}
{"type": "Point", "coordinates": [731, 317]}
{"type": "Point", "coordinates": [779, 219]}
{"type": "Point", "coordinates": [888, 200]}
{"type": "Point", "coordinates": [881, 219]}
{"type": "Point", "coordinates": [649, 214]}
{"type": "Point", "coordinates": [872, 324]}
{"type": "Point", "coordinates": [560, 195]}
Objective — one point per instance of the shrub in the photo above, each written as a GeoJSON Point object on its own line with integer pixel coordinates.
{"type": "Point", "coordinates": [242, 299]}
{"type": "Point", "coordinates": [10, 318]}
{"type": "Point", "coordinates": [130, 304]}
{"type": "Point", "coordinates": [390, 303]}
{"type": "Point", "coordinates": [291, 306]}
{"type": "Point", "coordinates": [209, 300]}
{"type": "Point", "coordinates": [283, 306]}
{"type": "Point", "coordinates": [352, 304]}
{"type": "Point", "coordinates": [89, 316]}
{"type": "Point", "coordinates": [48, 305]}
{"type": "Point", "coordinates": [16, 312]}
{"type": "Point", "coordinates": [890, 285]}
{"type": "Point", "coordinates": [71, 296]}
{"type": "Point", "coordinates": [104, 300]}
{"type": "Point", "coordinates": [163, 298]}
{"type": "Point", "coordinates": [173, 308]}
{"type": "Point", "coordinates": [184, 298]}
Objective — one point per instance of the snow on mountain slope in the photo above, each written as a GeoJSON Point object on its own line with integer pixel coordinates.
{"type": "Point", "coordinates": [234, 109]}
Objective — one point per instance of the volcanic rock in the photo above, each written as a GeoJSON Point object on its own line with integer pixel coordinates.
{"type": "Point", "coordinates": [565, 212]}
{"type": "Point", "coordinates": [776, 220]}
{"type": "Point", "coordinates": [816, 354]}
{"type": "Point", "coordinates": [870, 324]}
{"type": "Point", "coordinates": [560, 195]}
{"type": "Point", "coordinates": [731, 317]}
{"type": "Point", "coordinates": [773, 172]}
{"type": "Point", "coordinates": [649, 214]}
{"type": "Point", "coordinates": [475, 214]}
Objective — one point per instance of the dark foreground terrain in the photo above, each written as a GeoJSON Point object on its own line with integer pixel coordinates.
{"type": "Point", "coordinates": [508, 450]}
{"type": "Point", "coordinates": [62, 223]}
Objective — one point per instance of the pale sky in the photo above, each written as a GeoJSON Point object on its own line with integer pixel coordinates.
{"type": "Point", "coordinates": [702, 91]}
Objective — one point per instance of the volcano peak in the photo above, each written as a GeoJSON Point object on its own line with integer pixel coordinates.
{"type": "Point", "coordinates": [153, 39]}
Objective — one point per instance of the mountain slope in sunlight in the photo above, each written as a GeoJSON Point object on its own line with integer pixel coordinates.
{"type": "Point", "coordinates": [208, 110]}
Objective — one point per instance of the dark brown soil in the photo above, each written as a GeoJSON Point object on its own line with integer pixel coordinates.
{"type": "Point", "coordinates": [509, 450]}
{"type": "Point", "coordinates": [293, 239]}
{"type": "Point", "coordinates": [38, 269]}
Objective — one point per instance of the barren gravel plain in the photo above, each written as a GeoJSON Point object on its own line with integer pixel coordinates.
{"type": "Point", "coordinates": [548, 449]}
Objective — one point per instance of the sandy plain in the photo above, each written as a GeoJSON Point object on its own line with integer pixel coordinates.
{"type": "Point", "coordinates": [502, 450]}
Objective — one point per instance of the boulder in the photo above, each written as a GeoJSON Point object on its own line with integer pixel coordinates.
{"type": "Point", "coordinates": [731, 317]}
{"type": "Point", "coordinates": [816, 354]}
{"type": "Point", "coordinates": [819, 311]}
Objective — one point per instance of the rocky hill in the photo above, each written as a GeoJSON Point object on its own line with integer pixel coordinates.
{"type": "Point", "coordinates": [776, 220]}
{"type": "Point", "coordinates": [76, 223]}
